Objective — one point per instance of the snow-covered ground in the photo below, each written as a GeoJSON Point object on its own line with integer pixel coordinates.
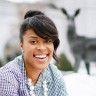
{"type": "Point", "coordinates": [81, 84]}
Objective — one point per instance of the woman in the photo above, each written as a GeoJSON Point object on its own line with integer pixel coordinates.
{"type": "Point", "coordinates": [31, 74]}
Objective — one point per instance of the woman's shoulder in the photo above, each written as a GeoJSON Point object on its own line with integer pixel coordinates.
{"type": "Point", "coordinates": [10, 79]}
{"type": "Point", "coordinates": [56, 74]}
{"type": "Point", "coordinates": [10, 69]}
{"type": "Point", "coordinates": [58, 80]}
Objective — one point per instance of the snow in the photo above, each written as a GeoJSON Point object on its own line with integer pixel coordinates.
{"type": "Point", "coordinates": [78, 84]}
{"type": "Point", "coordinates": [81, 84]}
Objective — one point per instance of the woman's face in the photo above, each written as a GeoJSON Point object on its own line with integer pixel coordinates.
{"type": "Point", "coordinates": [37, 51]}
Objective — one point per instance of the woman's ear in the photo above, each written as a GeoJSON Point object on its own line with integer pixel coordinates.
{"type": "Point", "coordinates": [21, 45]}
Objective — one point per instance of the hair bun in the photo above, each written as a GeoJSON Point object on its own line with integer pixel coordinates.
{"type": "Point", "coordinates": [32, 13]}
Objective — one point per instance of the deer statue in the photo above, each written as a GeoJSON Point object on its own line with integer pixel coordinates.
{"type": "Point", "coordinates": [83, 48]}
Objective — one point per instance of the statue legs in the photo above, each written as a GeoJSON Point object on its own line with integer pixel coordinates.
{"type": "Point", "coordinates": [87, 65]}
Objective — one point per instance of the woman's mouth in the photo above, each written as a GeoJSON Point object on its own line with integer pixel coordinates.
{"type": "Point", "coordinates": [41, 57]}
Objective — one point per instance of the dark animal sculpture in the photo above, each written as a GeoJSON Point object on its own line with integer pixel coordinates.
{"type": "Point", "coordinates": [83, 48]}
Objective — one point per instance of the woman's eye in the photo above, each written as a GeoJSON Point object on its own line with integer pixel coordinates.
{"type": "Point", "coordinates": [50, 41]}
{"type": "Point", "coordinates": [33, 42]}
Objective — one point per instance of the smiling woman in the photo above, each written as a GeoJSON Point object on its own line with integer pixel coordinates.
{"type": "Point", "coordinates": [31, 74]}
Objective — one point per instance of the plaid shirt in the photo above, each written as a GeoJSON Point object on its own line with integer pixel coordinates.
{"type": "Point", "coordinates": [13, 81]}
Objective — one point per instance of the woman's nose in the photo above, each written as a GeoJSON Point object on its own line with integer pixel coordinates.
{"type": "Point", "coordinates": [41, 46]}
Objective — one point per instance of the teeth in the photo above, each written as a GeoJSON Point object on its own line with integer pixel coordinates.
{"type": "Point", "coordinates": [40, 56]}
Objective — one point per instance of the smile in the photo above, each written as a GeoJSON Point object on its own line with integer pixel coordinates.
{"type": "Point", "coordinates": [42, 57]}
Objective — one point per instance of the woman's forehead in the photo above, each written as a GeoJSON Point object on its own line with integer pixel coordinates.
{"type": "Point", "coordinates": [31, 34]}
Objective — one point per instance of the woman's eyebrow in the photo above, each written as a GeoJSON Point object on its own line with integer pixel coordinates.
{"type": "Point", "coordinates": [35, 37]}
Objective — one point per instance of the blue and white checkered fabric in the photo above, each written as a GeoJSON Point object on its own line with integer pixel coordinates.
{"type": "Point", "coordinates": [13, 81]}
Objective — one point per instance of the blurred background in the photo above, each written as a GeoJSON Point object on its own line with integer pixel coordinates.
{"type": "Point", "coordinates": [11, 16]}
{"type": "Point", "coordinates": [12, 13]}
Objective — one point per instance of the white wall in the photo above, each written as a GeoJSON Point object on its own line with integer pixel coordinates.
{"type": "Point", "coordinates": [8, 17]}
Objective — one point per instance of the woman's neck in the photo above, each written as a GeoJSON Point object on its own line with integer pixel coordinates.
{"type": "Point", "coordinates": [32, 73]}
